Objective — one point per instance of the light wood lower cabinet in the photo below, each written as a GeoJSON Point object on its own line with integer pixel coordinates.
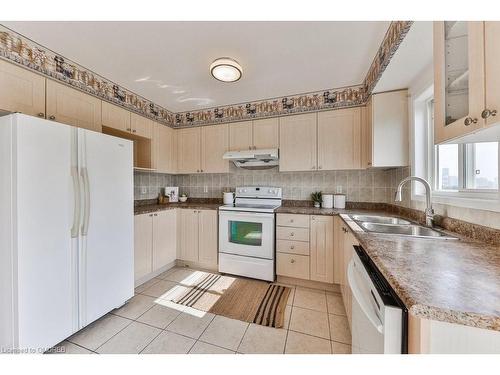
{"type": "Point", "coordinates": [321, 245]}
{"type": "Point", "coordinates": [338, 250]}
{"type": "Point", "coordinates": [143, 245]}
{"type": "Point", "coordinates": [348, 241]}
{"type": "Point", "coordinates": [21, 90]}
{"type": "Point", "coordinates": [154, 242]}
{"type": "Point", "coordinates": [305, 251]}
{"type": "Point", "coordinates": [198, 237]}
{"type": "Point", "coordinates": [73, 107]}
{"type": "Point", "coordinates": [164, 238]}
{"type": "Point", "coordinates": [208, 233]}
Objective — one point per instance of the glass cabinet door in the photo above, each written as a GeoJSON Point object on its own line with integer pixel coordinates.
{"type": "Point", "coordinates": [456, 68]}
{"type": "Point", "coordinates": [458, 78]}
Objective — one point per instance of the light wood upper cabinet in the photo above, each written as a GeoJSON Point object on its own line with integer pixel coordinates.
{"type": "Point", "coordinates": [143, 245]}
{"type": "Point", "coordinates": [208, 246]}
{"type": "Point", "coordinates": [240, 136]}
{"type": "Point", "coordinates": [115, 117]}
{"type": "Point", "coordinates": [321, 249]}
{"type": "Point", "coordinates": [253, 135]}
{"type": "Point", "coordinates": [265, 133]}
{"type": "Point", "coordinates": [165, 149]}
{"type": "Point", "coordinates": [339, 139]}
{"type": "Point", "coordinates": [73, 107]}
{"type": "Point", "coordinates": [298, 151]}
{"type": "Point", "coordinates": [21, 90]}
{"type": "Point", "coordinates": [459, 78]}
{"type": "Point", "coordinates": [189, 150]}
{"type": "Point", "coordinates": [214, 143]}
{"type": "Point", "coordinates": [384, 130]}
{"type": "Point", "coordinates": [164, 238]}
{"type": "Point", "coordinates": [141, 126]}
{"type": "Point", "coordinates": [188, 235]}
{"type": "Point", "coordinates": [492, 72]}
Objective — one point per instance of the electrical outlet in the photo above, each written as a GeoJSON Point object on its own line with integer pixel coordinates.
{"type": "Point", "coordinates": [144, 190]}
{"type": "Point", "coordinates": [205, 189]}
{"type": "Point", "coordinates": [339, 189]}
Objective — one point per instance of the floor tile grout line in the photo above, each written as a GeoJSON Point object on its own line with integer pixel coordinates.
{"type": "Point", "coordinates": [149, 343]}
{"type": "Point", "coordinates": [100, 346]}
{"type": "Point", "coordinates": [289, 320]}
{"type": "Point", "coordinates": [81, 346]}
{"type": "Point", "coordinates": [242, 337]}
{"type": "Point", "coordinates": [218, 346]}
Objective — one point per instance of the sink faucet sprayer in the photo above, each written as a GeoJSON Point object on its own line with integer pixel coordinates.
{"type": "Point", "coordinates": [429, 212]}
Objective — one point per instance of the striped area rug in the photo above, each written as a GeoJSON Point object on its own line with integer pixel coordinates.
{"type": "Point", "coordinates": [244, 299]}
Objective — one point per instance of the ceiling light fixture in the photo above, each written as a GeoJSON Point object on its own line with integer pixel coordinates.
{"type": "Point", "coordinates": [226, 69]}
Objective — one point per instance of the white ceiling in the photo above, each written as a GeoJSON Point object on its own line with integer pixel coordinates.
{"type": "Point", "coordinates": [168, 62]}
{"type": "Point", "coordinates": [412, 58]}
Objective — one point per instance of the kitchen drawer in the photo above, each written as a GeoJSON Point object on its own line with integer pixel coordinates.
{"type": "Point", "coordinates": [292, 220]}
{"type": "Point", "coordinates": [292, 247]}
{"type": "Point", "coordinates": [295, 234]}
{"type": "Point", "coordinates": [290, 265]}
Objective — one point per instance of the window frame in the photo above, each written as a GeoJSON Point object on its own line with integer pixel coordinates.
{"type": "Point", "coordinates": [486, 199]}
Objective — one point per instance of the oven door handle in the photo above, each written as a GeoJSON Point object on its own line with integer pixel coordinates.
{"type": "Point", "coordinates": [363, 303]}
{"type": "Point", "coordinates": [245, 214]}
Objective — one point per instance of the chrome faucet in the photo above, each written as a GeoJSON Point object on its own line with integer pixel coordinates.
{"type": "Point", "coordinates": [429, 212]}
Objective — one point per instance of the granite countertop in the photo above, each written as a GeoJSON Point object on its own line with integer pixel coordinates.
{"type": "Point", "coordinates": [455, 281]}
{"type": "Point", "coordinates": [154, 207]}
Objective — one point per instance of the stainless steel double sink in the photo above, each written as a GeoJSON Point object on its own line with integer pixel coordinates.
{"type": "Point", "coordinates": [397, 226]}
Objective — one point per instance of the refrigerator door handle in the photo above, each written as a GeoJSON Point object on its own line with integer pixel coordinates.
{"type": "Point", "coordinates": [77, 205]}
{"type": "Point", "coordinates": [86, 195]}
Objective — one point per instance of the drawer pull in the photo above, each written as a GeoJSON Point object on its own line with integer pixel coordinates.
{"type": "Point", "coordinates": [292, 247]}
{"type": "Point", "coordinates": [292, 260]}
{"type": "Point", "coordinates": [291, 220]}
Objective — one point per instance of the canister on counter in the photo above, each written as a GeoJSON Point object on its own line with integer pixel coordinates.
{"type": "Point", "coordinates": [339, 201]}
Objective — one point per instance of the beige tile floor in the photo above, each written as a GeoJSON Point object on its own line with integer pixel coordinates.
{"type": "Point", "coordinates": [315, 322]}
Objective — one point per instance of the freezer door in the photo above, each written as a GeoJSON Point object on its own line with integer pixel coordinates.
{"type": "Point", "coordinates": [107, 231]}
{"type": "Point", "coordinates": [46, 260]}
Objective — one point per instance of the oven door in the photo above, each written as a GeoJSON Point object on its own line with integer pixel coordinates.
{"type": "Point", "coordinates": [247, 234]}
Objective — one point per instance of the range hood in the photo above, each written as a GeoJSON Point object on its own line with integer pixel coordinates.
{"type": "Point", "coordinates": [254, 159]}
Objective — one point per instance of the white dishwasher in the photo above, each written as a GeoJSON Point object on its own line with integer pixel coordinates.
{"type": "Point", "coordinates": [379, 318]}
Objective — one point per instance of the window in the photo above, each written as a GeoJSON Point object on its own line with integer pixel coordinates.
{"type": "Point", "coordinates": [465, 175]}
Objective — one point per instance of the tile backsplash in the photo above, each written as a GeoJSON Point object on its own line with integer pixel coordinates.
{"type": "Point", "coordinates": [373, 185]}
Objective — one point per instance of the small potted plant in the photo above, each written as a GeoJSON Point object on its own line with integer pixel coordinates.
{"type": "Point", "coordinates": [316, 197]}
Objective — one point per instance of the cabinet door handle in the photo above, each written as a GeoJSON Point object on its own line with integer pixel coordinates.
{"type": "Point", "coordinates": [320, 167]}
{"type": "Point", "coordinates": [292, 260]}
{"type": "Point", "coordinates": [292, 234]}
{"type": "Point", "coordinates": [52, 117]}
{"type": "Point", "coordinates": [41, 114]}
{"type": "Point", "coordinates": [133, 131]}
{"type": "Point", "coordinates": [292, 247]}
{"type": "Point", "coordinates": [469, 121]}
{"type": "Point", "coordinates": [487, 113]}
{"type": "Point", "coordinates": [313, 167]}
{"type": "Point", "coordinates": [291, 220]}
{"type": "Point", "coordinates": [128, 129]}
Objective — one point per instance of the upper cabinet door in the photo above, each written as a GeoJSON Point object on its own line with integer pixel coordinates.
{"type": "Point", "coordinates": [339, 139]}
{"type": "Point", "coordinates": [492, 67]}
{"type": "Point", "coordinates": [25, 93]}
{"type": "Point", "coordinates": [164, 149]}
{"type": "Point", "coordinates": [73, 107]}
{"type": "Point", "coordinates": [115, 117]}
{"type": "Point", "coordinates": [459, 80]}
{"type": "Point", "coordinates": [188, 150]}
{"type": "Point", "coordinates": [240, 136]}
{"type": "Point", "coordinates": [214, 143]}
{"type": "Point", "coordinates": [298, 143]}
{"type": "Point", "coordinates": [265, 133]}
{"type": "Point", "coordinates": [141, 126]}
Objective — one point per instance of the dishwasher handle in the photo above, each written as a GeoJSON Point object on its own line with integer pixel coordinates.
{"type": "Point", "coordinates": [362, 301]}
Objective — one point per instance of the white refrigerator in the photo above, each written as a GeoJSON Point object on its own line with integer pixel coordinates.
{"type": "Point", "coordinates": [66, 230]}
